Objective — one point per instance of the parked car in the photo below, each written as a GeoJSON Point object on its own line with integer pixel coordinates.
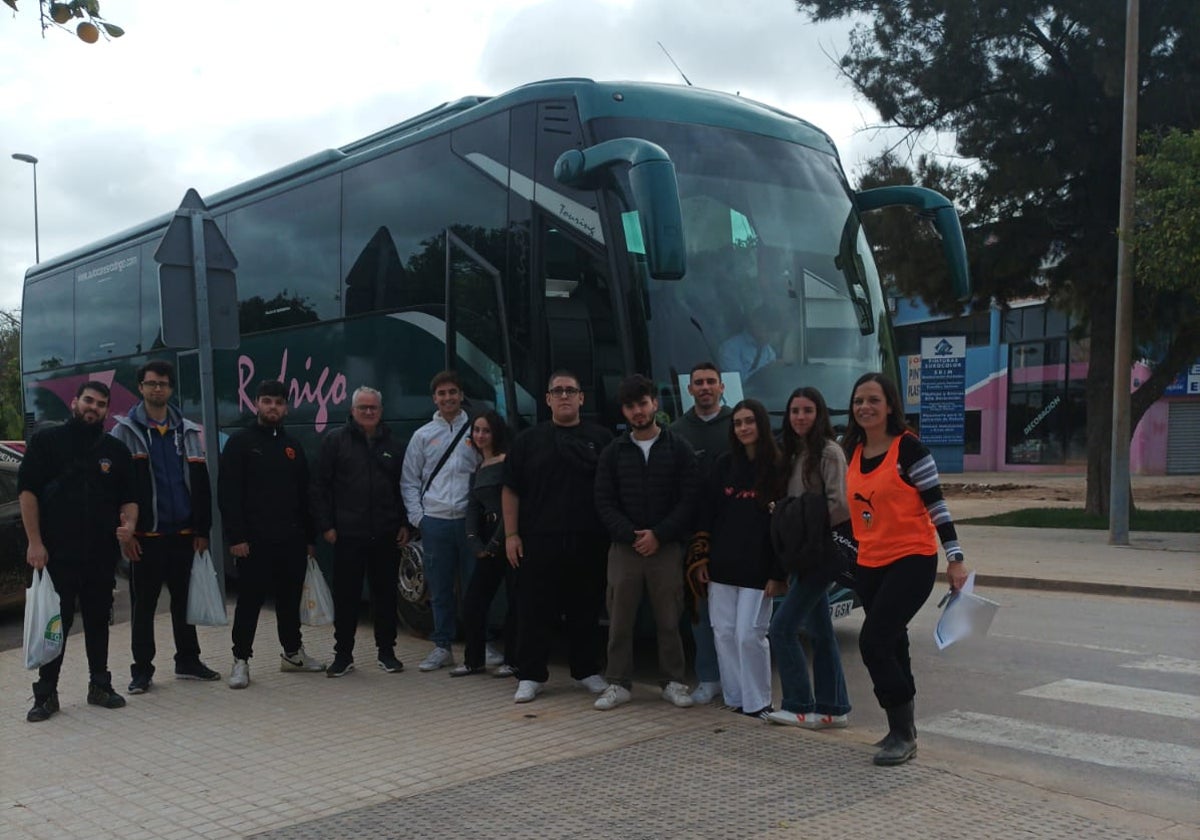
{"type": "Point", "coordinates": [14, 575]}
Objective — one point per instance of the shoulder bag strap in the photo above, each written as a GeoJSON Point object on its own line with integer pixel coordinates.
{"type": "Point", "coordinates": [445, 457]}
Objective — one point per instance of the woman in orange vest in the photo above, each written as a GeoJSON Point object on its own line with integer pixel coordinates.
{"type": "Point", "coordinates": [898, 515]}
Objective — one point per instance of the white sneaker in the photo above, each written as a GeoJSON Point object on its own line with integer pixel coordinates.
{"type": "Point", "coordinates": [784, 718]}
{"type": "Point", "coordinates": [527, 690]}
{"type": "Point", "coordinates": [816, 720]}
{"type": "Point", "coordinates": [492, 657]}
{"type": "Point", "coordinates": [613, 696]}
{"type": "Point", "coordinates": [239, 677]}
{"type": "Point", "coordinates": [706, 692]}
{"type": "Point", "coordinates": [437, 658]}
{"type": "Point", "coordinates": [677, 695]}
{"type": "Point", "coordinates": [596, 684]}
{"type": "Point", "coordinates": [300, 661]}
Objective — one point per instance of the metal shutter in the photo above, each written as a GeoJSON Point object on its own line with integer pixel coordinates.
{"type": "Point", "coordinates": [1183, 438]}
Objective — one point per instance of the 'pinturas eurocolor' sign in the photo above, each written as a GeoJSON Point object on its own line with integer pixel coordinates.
{"type": "Point", "coordinates": [943, 389]}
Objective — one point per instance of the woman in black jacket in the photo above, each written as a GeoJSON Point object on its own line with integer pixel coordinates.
{"type": "Point", "coordinates": [743, 572]}
{"type": "Point", "coordinates": [485, 534]}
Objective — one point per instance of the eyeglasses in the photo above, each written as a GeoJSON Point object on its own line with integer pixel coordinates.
{"type": "Point", "coordinates": [563, 392]}
{"type": "Point", "coordinates": [366, 408]}
{"type": "Point", "coordinates": [155, 383]}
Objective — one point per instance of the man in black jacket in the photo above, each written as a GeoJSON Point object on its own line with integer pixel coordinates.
{"type": "Point", "coordinates": [263, 495]}
{"type": "Point", "coordinates": [359, 511]}
{"type": "Point", "coordinates": [645, 490]}
{"type": "Point", "coordinates": [75, 486]}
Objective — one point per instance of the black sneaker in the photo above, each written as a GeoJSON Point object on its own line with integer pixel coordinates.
{"type": "Point", "coordinates": [195, 671]}
{"type": "Point", "coordinates": [342, 665]}
{"type": "Point", "coordinates": [103, 695]}
{"type": "Point", "coordinates": [140, 684]}
{"type": "Point", "coordinates": [389, 663]}
{"type": "Point", "coordinates": [43, 707]}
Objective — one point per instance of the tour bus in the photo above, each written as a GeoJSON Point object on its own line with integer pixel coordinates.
{"type": "Point", "coordinates": [603, 227]}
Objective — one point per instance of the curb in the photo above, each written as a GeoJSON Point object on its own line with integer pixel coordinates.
{"type": "Point", "coordinates": [1160, 593]}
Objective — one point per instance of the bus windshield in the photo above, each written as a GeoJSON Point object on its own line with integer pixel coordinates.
{"type": "Point", "coordinates": [780, 291]}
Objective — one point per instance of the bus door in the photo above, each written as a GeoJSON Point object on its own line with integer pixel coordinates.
{"type": "Point", "coordinates": [477, 342]}
{"type": "Point", "coordinates": [583, 335]}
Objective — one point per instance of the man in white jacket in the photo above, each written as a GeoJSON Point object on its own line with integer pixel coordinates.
{"type": "Point", "coordinates": [435, 483]}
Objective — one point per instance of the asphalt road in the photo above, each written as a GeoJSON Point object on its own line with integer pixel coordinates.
{"type": "Point", "coordinates": [1094, 696]}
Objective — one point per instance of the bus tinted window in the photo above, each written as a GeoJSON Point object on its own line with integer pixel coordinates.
{"type": "Point", "coordinates": [46, 339]}
{"type": "Point", "coordinates": [287, 251]}
{"type": "Point", "coordinates": [107, 294]}
{"type": "Point", "coordinates": [396, 211]}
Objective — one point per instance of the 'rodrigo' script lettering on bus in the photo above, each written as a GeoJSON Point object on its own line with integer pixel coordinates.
{"type": "Point", "coordinates": [320, 393]}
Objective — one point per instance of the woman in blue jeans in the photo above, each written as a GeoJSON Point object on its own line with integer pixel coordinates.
{"type": "Point", "coordinates": [817, 465]}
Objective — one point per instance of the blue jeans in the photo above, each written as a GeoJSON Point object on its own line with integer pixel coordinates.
{"type": "Point", "coordinates": [806, 606]}
{"type": "Point", "coordinates": [446, 554]}
{"type": "Point", "coordinates": [706, 649]}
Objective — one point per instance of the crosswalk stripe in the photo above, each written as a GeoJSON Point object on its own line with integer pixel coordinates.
{"type": "Point", "coordinates": [1167, 665]}
{"type": "Point", "coordinates": [1094, 748]}
{"type": "Point", "coordinates": [1125, 697]}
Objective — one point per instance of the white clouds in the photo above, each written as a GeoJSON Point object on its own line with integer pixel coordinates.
{"type": "Point", "coordinates": [207, 95]}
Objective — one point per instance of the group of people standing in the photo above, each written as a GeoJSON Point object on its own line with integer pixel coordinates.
{"type": "Point", "coordinates": [570, 520]}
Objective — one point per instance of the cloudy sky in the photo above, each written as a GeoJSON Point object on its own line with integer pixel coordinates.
{"type": "Point", "coordinates": [209, 93]}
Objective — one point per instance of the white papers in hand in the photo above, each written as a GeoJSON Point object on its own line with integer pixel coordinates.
{"type": "Point", "coordinates": [966, 614]}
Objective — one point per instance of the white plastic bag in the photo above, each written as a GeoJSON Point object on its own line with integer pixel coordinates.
{"type": "Point", "coordinates": [316, 602]}
{"type": "Point", "coordinates": [43, 621]}
{"type": "Point", "coordinates": [205, 606]}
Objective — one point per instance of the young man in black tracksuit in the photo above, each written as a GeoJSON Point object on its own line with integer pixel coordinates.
{"type": "Point", "coordinates": [263, 495]}
{"type": "Point", "coordinates": [645, 489]}
{"type": "Point", "coordinates": [358, 510]}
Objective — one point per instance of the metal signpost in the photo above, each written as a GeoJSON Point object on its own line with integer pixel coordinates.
{"type": "Point", "coordinates": [198, 302]}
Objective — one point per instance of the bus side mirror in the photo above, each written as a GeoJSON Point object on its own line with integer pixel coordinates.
{"type": "Point", "coordinates": [937, 209]}
{"type": "Point", "coordinates": [655, 194]}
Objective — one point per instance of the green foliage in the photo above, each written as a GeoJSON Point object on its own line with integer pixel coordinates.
{"type": "Point", "coordinates": [1166, 235]}
{"type": "Point", "coordinates": [11, 421]}
{"type": "Point", "coordinates": [1172, 521]}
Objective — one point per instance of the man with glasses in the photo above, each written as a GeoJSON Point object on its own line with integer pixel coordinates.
{"type": "Point", "coordinates": [555, 539]}
{"type": "Point", "coordinates": [436, 482]}
{"type": "Point", "coordinates": [174, 518]}
{"type": "Point", "coordinates": [358, 510]}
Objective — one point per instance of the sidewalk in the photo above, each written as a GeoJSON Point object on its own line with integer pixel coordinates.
{"type": "Point", "coordinates": [416, 755]}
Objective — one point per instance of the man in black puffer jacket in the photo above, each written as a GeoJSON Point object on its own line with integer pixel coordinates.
{"type": "Point", "coordinates": [645, 489]}
{"type": "Point", "coordinates": [359, 511]}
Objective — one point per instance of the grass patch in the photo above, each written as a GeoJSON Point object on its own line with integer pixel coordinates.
{"type": "Point", "coordinates": [1175, 521]}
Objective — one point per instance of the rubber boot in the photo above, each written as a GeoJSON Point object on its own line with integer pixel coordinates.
{"type": "Point", "coordinates": [100, 692]}
{"type": "Point", "coordinates": [900, 744]}
{"type": "Point", "coordinates": [45, 702]}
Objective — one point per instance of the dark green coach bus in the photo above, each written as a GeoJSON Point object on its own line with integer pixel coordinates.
{"type": "Point", "coordinates": [604, 227]}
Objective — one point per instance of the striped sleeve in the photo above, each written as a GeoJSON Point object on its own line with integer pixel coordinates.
{"type": "Point", "coordinates": [918, 469]}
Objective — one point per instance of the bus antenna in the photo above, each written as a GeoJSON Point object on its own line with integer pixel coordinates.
{"type": "Point", "coordinates": [676, 66]}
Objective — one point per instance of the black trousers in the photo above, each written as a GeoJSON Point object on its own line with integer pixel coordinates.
{"type": "Point", "coordinates": [165, 559]}
{"type": "Point", "coordinates": [891, 596]}
{"type": "Point", "coordinates": [95, 599]}
{"type": "Point", "coordinates": [489, 573]}
{"type": "Point", "coordinates": [271, 569]}
{"type": "Point", "coordinates": [561, 576]}
{"type": "Point", "coordinates": [378, 560]}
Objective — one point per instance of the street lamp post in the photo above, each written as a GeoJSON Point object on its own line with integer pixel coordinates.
{"type": "Point", "coordinates": [37, 248]}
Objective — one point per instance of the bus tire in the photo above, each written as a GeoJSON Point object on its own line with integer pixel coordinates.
{"type": "Point", "coordinates": [412, 595]}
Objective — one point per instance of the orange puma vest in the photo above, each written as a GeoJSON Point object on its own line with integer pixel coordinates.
{"type": "Point", "coordinates": [889, 519]}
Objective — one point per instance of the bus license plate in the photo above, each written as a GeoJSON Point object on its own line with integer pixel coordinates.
{"type": "Point", "coordinates": [841, 609]}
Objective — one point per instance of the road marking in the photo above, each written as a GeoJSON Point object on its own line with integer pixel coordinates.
{"type": "Point", "coordinates": [1091, 747]}
{"type": "Point", "coordinates": [1083, 645]}
{"type": "Point", "coordinates": [1168, 665]}
{"type": "Point", "coordinates": [1124, 697]}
